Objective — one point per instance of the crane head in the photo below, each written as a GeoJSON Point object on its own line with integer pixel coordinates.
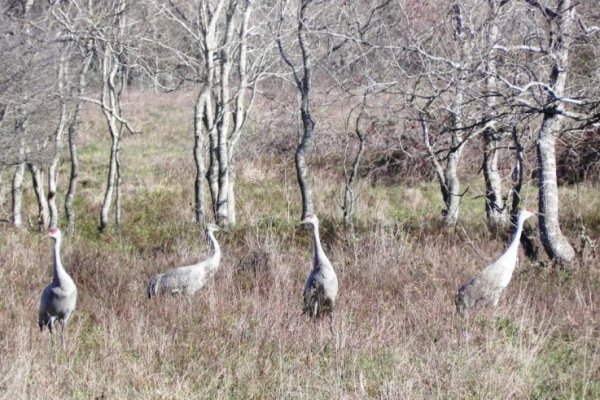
{"type": "Point", "coordinates": [310, 219]}
{"type": "Point", "coordinates": [212, 228]}
{"type": "Point", "coordinates": [54, 232]}
{"type": "Point", "coordinates": [527, 212]}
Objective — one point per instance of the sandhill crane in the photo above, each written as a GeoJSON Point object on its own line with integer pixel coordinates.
{"type": "Point", "coordinates": [321, 286]}
{"type": "Point", "coordinates": [60, 297]}
{"type": "Point", "coordinates": [190, 278]}
{"type": "Point", "coordinates": [487, 285]}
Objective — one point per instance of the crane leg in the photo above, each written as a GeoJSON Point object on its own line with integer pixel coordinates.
{"type": "Point", "coordinates": [62, 333]}
{"type": "Point", "coordinates": [331, 324]}
{"type": "Point", "coordinates": [51, 330]}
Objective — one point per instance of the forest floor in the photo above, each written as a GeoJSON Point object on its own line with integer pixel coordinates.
{"type": "Point", "coordinates": [395, 334]}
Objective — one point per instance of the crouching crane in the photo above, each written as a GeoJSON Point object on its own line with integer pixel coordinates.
{"type": "Point", "coordinates": [187, 280]}
{"type": "Point", "coordinates": [60, 297]}
{"type": "Point", "coordinates": [487, 285]}
{"type": "Point", "coordinates": [320, 290]}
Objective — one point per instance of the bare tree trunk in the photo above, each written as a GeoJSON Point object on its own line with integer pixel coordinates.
{"type": "Point", "coordinates": [199, 116]}
{"type": "Point", "coordinates": [212, 107]}
{"type": "Point", "coordinates": [451, 183]}
{"type": "Point", "coordinates": [215, 29]}
{"type": "Point", "coordinates": [530, 248]}
{"type": "Point", "coordinates": [555, 243]}
{"type": "Point", "coordinates": [349, 195]}
{"type": "Point", "coordinates": [517, 176]}
{"type": "Point", "coordinates": [303, 83]}
{"type": "Point", "coordinates": [494, 203]}
{"type": "Point", "coordinates": [212, 174]}
{"type": "Point", "coordinates": [110, 108]}
{"type": "Point", "coordinates": [38, 188]}
{"type": "Point", "coordinates": [452, 193]}
{"type": "Point", "coordinates": [58, 139]}
{"type": "Point", "coordinates": [447, 175]}
{"type": "Point", "coordinates": [118, 180]}
{"type": "Point", "coordinates": [242, 106]}
{"type": "Point", "coordinates": [110, 184]}
{"type": "Point", "coordinates": [304, 147]}
{"type": "Point", "coordinates": [17, 181]}
{"type": "Point", "coordinates": [222, 206]}
{"type": "Point", "coordinates": [72, 137]}
{"type": "Point", "coordinates": [19, 173]}
{"type": "Point", "coordinates": [17, 195]}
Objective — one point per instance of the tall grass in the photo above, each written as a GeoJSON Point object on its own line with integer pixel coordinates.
{"type": "Point", "coordinates": [243, 336]}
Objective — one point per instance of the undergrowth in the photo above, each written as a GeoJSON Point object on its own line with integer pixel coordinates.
{"type": "Point", "coordinates": [395, 333]}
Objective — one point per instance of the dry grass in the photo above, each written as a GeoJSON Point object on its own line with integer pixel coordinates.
{"type": "Point", "coordinates": [396, 334]}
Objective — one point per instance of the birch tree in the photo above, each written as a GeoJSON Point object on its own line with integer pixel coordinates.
{"type": "Point", "coordinates": [495, 206]}
{"type": "Point", "coordinates": [561, 25]}
{"type": "Point", "coordinates": [57, 142]}
{"type": "Point", "coordinates": [547, 94]}
{"type": "Point", "coordinates": [33, 102]}
{"type": "Point", "coordinates": [301, 70]}
{"type": "Point", "coordinates": [106, 30]}
{"type": "Point", "coordinates": [440, 93]}
{"type": "Point", "coordinates": [226, 66]}
{"type": "Point", "coordinates": [72, 134]}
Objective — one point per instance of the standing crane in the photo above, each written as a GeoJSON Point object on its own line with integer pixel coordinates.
{"type": "Point", "coordinates": [487, 285]}
{"type": "Point", "coordinates": [321, 286]}
{"type": "Point", "coordinates": [190, 278]}
{"type": "Point", "coordinates": [60, 297]}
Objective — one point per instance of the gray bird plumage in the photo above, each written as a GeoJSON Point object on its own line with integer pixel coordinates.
{"type": "Point", "coordinates": [187, 280]}
{"type": "Point", "coordinates": [60, 297]}
{"type": "Point", "coordinates": [487, 285]}
{"type": "Point", "coordinates": [321, 288]}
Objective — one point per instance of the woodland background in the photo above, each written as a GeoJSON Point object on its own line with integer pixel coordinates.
{"type": "Point", "coordinates": [415, 130]}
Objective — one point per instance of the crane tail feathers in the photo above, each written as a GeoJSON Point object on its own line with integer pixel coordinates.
{"type": "Point", "coordinates": [153, 284]}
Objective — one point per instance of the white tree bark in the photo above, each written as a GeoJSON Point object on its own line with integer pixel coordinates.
{"type": "Point", "coordinates": [38, 188]}
{"type": "Point", "coordinates": [58, 145]}
{"type": "Point", "coordinates": [17, 195]}
{"type": "Point", "coordinates": [199, 159]}
{"type": "Point", "coordinates": [555, 243]}
{"type": "Point", "coordinates": [109, 70]}
{"type": "Point", "coordinates": [222, 207]}
{"type": "Point", "coordinates": [72, 139]}
{"type": "Point", "coordinates": [494, 203]}
{"type": "Point", "coordinates": [111, 109]}
{"type": "Point", "coordinates": [243, 104]}
{"type": "Point", "coordinates": [303, 80]}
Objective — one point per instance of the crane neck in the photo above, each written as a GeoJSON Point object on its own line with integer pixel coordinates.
{"type": "Point", "coordinates": [58, 272]}
{"type": "Point", "coordinates": [514, 244]}
{"type": "Point", "coordinates": [318, 253]}
{"type": "Point", "coordinates": [216, 249]}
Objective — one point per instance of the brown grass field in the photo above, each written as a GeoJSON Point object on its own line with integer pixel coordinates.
{"type": "Point", "coordinates": [243, 336]}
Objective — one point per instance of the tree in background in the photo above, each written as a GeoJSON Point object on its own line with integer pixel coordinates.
{"type": "Point", "coordinates": [111, 32]}
{"type": "Point", "coordinates": [493, 132]}
{"type": "Point", "coordinates": [221, 57]}
{"type": "Point", "coordinates": [440, 85]}
{"type": "Point", "coordinates": [540, 87]}
{"type": "Point", "coordinates": [467, 73]}
{"type": "Point", "coordinates": [33, 102]}
{"type": "Point", "coordinates": [302, 69]}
